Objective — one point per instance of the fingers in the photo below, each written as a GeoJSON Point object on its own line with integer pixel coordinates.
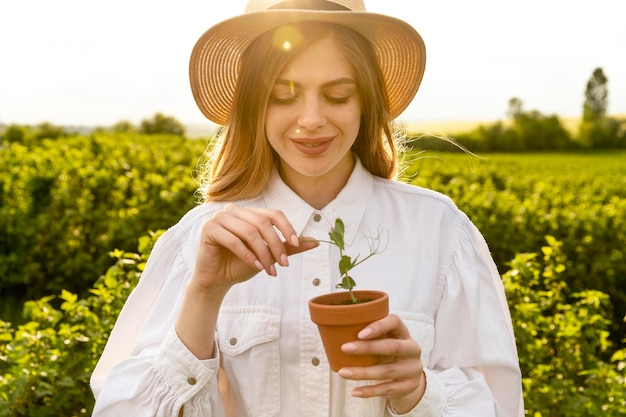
{"type": "Point", "coordinates": [391, 326]}
{"type": "Point", "coordinates": [390, 388]}
{"type": "Point", "coordinates": [400, 371]}
{"type": "Point", "coordinates": [305, 243]}
{"type": "Point", "coordinates": [388, 336]}
{"type": "Point", "coordinates": [255, 235]}
{"type": "Point", "coordinates": [403, 394]}
{"type": "Point", "coordinates": [256, 228]}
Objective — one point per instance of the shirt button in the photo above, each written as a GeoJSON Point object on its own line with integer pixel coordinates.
{"type": "Point", "coordinates": [233, 341]}
{"type": "Point", "coordinates": [317, 217]}
{"type": "Point", "coordinates": [315, 361]}
{"type": "Point", "coordinates": [316, 282]}
{"type": "Point", "coordinates": [191, 381]}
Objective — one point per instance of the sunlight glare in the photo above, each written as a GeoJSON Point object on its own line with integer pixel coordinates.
{"type": "Point", "coordinates": [287, 38]}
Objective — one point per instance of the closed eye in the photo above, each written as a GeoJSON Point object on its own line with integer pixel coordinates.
{"type": "Point", "coordinates": [283, 100]}
{"type": "Point", "coordinates": [338, 100]}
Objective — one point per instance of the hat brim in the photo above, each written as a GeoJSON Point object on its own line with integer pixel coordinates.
{"type": "Point", "coordinates": [214, 63]}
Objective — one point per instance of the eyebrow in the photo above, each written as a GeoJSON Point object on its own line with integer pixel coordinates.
{"type": "Point", "coordinates": [338, 81]}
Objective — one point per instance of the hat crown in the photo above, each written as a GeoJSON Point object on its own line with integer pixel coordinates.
{"type": "Point", "coordinates": [216, 58]}
{"type": "Point", "coordinates": [347, 5]}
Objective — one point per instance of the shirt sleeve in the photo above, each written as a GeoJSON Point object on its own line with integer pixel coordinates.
{"type": "Point", "coordinates": [474, 368]}
{"type": "Point", "coordinates": [145, 369]}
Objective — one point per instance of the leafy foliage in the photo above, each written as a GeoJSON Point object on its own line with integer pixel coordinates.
{"type": "Point", "coordinates": [561, 335]}
{"type": "Point", "coordinates": [596, 96]}
{"type": "Point", "coordinates": [516, 200]}
{"type": "Point", "coordinates": [346, 262]}
{"type": "Point", "coordinates": [604, 133]}
{"type": "Point", "coordinates": [562, 338]}
{"type": "Point", "coordinates": [534, 131]}
{"type": "Point", "coordinates": [162, 124]}
{"type": "Point", "coordinates": [45, 364]}
{"type": "Point", "coordinates": [65, 203]}
{"type": "Point", "coordinates": [29, 136]}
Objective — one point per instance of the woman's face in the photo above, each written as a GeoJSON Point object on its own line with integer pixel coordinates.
{"type": "Point", "coordinates": [313, 115]}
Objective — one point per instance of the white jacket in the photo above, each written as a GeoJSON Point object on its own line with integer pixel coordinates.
{"type": "Point", "coordinates": [437, 270]}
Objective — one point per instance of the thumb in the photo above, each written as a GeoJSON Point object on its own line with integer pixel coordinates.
{"type": "Point", "coordinates": [306, 243]}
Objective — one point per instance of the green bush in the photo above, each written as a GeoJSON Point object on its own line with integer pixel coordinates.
{"type": "Point", "coordinates": [562, 338]}
{"type": "Point", "coordinates": [605, 133]}
{"type": "Point", "coordinates": [45, 363]}
{"type": "Point", "coordinates": [26, 135]}
{"type": "Point", "coordinates": [162, 124]}
{"type": "Point", "coordinates": [516, 200]}
{"type": "Point", "coordinates": [65, 203]}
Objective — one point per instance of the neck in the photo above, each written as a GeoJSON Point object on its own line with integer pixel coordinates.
{"type": "Point", "coordinates": [320, 190]}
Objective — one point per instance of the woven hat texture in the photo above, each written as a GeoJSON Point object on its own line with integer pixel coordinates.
{"type": "Point", "coordinates": [214, 63]}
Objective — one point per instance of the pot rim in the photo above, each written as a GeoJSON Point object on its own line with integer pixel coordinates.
{"type": "Point", "coordinates": [340, 314]}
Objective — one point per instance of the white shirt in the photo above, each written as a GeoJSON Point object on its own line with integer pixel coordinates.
{"type": "Point", "coordinates": [436, 268]}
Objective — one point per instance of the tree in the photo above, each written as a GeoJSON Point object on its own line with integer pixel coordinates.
{"type": "Point", "coordinates": [540, 132]}
{"type": "Point", "coordinates": [596, 97]}
{"type": "Point", "coordinates": [123, 126]}
{"type": "Point", "coordinates": [598, 130]}
{"type": "Point", "coordinates": [515, 108]}
{"type": "Point", "coordinates": [14, 134]}
{"type": "Point", "coordinates": [532, 130]}
{"type": "Point", "coordinates": [27, 135]}
{"type": "Point", "coordinates": [162, 124]}
{"type": "Point", "coordinates": [47, 130]}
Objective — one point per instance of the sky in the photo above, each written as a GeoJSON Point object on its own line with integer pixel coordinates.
{"type": "Point", "coordinates": [96, 62]}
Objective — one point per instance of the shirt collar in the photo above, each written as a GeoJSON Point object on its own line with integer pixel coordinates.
{"type": "Point", "coordinates": [349, 204]}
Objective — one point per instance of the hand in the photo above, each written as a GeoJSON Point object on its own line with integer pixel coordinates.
{"type": "Point", "coordinates": [238, 242]}
{"type": "Point", "coordinates": [401, 372]}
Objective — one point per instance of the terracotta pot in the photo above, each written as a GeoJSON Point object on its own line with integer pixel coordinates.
{"type": "Point", "coordinates": [339, 323]}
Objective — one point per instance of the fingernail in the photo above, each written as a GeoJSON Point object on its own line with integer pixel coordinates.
{"type": "Point", "coordinates": [348, 347]}
{"type": "Point", "coordinates": [365, 333]}
{"type": "Point", "coordinates": [357, 393]}
{"type": "Point", "coordinates": [258, 265]}
{"type": "Point", "coordinates": [345, 373]}
{"type": "Point", "coordinates": [295, 241]}
{"type": "Point", "coordinates": [283, 260]}
{"type": "Point", "coordinates": [273, 270]}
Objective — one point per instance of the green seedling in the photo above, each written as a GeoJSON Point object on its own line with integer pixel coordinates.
{"type": "Point", "coordinates": [346, 262]}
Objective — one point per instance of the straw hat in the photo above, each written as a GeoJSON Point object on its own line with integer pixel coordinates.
{"type": "Point", "coordinates": [215, 58]}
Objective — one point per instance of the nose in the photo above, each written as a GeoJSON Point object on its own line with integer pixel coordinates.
{"type": "Point", "coordinates": [312, 113]}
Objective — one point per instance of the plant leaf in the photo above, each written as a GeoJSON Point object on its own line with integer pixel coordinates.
{"type": "Point", "coordinates": [336, 233]}
{"type": "Point", "coordinates": [345, 264]}
{"type": "Point", "coordinates": [347, 283]}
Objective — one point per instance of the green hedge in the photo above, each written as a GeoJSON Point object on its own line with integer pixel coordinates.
{"type": "Point", "coordinates": [516, 200]}
{"type": "Point", "coordinates": [65, 203]}
{"type": "Point", "coordinates": [45, 363]}
{"type": "Point", "coordinates": [562, 338]}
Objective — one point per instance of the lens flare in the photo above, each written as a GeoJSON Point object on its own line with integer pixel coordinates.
{"type": "Point", "coordinates": [287, 38]}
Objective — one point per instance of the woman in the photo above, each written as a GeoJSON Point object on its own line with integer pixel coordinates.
{"type": "Point", "coordinates": [218, 324]}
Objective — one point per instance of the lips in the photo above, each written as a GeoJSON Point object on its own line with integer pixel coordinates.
{"type": "Point", "coordinates": [312, 146]}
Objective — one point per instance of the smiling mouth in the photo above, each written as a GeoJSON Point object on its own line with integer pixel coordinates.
{"type": "Point", "coordinates": [312, 143]}
{"type": "Point", "coordinates": [313, 146]}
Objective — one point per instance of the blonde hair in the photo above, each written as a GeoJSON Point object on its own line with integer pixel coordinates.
{"type": "Point", "coordinates": [242, 160]}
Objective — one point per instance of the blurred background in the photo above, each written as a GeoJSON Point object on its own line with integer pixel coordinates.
{"type": "Point", "coordinates": [78, 63]}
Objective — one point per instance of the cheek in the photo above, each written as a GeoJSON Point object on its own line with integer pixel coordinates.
{"type": "Point", "coordinates": [270, 126]}
{"type": "Point", "coordinates": [353, 121]}
{"type": "Point", "coordinates": [276, 123]}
